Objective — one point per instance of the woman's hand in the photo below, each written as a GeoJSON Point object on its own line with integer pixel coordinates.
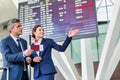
{"type": "Point", "coordinates": [28, 60]}
{"type": "Point", "coordinates": [73, 32]}
{"type": "Point", "coordinates": [37, 59]}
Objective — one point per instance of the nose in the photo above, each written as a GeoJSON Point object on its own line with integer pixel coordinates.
{"type": "Point", "coordinates": [42, 30]}
{"type": "Point", "coordinates": [21, 27]}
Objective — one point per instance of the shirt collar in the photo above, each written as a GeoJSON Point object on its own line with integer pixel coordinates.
{"type": "Point", "coordinates": [14, 38]}
{"type": "Point", "coordinates": [38, 42]}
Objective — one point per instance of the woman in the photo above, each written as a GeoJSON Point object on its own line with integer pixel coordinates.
{"type": "Point", "coordinates": [42, 62]}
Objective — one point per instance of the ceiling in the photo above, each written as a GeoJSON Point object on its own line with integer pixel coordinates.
{"type": "Point", "coordinates": [7, 10]}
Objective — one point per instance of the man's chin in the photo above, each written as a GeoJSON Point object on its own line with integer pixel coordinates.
{"type": "Point", "coordinates": [20, 34]}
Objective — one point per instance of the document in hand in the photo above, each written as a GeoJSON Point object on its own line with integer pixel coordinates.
{"type": "Point", "coordinates": [35, 47]}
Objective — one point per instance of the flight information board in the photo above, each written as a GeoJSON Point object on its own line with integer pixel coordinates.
{"type": "Point", "coordinates": [59, 16]}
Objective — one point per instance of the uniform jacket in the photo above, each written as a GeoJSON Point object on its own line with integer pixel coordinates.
{"type": "Point", "coordinates": [46, 66]}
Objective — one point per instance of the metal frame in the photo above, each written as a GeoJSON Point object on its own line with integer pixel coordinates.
{"type": "Point", "coordinates": [2, 68]}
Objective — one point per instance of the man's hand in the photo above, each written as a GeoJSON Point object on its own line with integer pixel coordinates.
{"type": "Point", "coordinates": [73, 32]}
{"type": "Point", "coordinates": [37, 59]}
{"type": "Point", "coordinates": [28, 52]}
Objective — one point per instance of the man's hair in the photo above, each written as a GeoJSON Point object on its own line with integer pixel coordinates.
{"type": "Point", "coordinates": [11, 22]}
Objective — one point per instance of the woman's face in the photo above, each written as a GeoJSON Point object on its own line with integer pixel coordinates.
{"type": "Point", "coordinates": [39, 33]}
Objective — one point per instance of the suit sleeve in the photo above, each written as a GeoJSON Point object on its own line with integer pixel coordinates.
{"type": "Point", "coordinates": [33, 56]}
{"type": "Point", "coordinates": [9, 54]}
{"type": "Point", "coordinates": [62, 47]}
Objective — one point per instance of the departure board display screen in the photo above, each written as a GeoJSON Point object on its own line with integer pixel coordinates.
{"type": "Point", "coordinates": [59, 16]}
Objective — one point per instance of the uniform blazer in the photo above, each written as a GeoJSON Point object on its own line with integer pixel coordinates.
{"type": "Point", "coordinates": [46, 66]}
{"type": "Point", "coordinates": [12, 58]}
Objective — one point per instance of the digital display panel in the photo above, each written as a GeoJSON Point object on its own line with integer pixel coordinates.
{"type": "Point", "coordinates": [59, 16]}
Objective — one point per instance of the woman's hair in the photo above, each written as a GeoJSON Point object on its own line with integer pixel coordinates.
{"type": "Point", "coordinates": [34, 30]}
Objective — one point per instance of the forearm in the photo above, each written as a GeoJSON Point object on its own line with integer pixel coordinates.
{"type": "Point", "coordinates": [18, 57]}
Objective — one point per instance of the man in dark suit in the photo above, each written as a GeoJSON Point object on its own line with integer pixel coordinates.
{"type": "Point", "coordinates": [14, 51]}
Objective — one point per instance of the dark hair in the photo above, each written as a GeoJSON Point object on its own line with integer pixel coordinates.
{"type": "Point", "coordinates": [34, 30]}
{"type": "Point", "coordinates": [11, 23]}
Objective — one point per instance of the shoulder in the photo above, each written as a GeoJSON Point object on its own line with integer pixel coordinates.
{"type": "Point", "coordinates": [23, 40]}
{"type": "Point", "coordinates": [47, 39]}
{"type": "Point", "coordinates": [6, 39]}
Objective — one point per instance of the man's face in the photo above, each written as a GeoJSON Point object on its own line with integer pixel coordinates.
{"type": "Point", "coordinates": [17, 29]}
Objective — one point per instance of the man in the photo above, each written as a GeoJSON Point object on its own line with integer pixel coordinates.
{"type": "Point", "coordinates": [15, 52]}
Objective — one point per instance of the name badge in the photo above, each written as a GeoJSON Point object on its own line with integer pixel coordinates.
{"type": "Point", "coordinates": [41, 48]}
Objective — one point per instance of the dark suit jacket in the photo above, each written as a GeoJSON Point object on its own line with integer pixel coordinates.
{"type": "Point", "coordinates": [12, 58]}
{"type": "Point", "coordinates": [46, 66]}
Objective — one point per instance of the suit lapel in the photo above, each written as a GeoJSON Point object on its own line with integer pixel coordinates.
{"type": "Point", "coordinates": [12, 43]}
{"type": "Point", "coordinates": [41, 52]}
{"type": "Point", "coordinates": [22, 44]}
{"type": "Point", "coordinates": [42, 42]}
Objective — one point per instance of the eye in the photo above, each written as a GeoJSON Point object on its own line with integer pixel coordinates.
{"type": "Point", "coordinates": [41, 29]}
{"type": "Point", "coordinates": [19, 26]}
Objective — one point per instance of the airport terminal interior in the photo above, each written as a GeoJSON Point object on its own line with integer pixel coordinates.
{"type": "Point", "coordinates": [87, 58]}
